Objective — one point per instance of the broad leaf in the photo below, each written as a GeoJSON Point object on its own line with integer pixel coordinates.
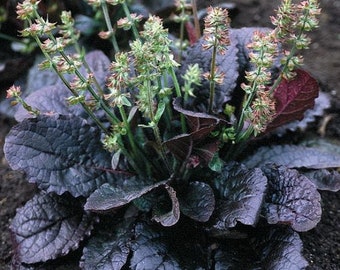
{"type": "Point", "coordinates": [324, 179]}
{"type": "Point", "coordinates": [108, 249]}
{"type": "Point", "coordinates": [150, 250]}
{"type": "Point", "coordinates": [293, 98]}
{"type": "Point", "coordinates": [60, 154]}
{"type": "Point", "coordinates": [241, 195]}
{"type": "Point", "coordinates": [294, 156]}
{"type": "Point", "coordinates": [49, 226]}
{"type": "Point", "coordinates": [268, 248]}
{"type": "Point", "coordinates": [322, 102]}
{"type": "Point", "coordinates": [197, 201]}
{"type": "Point", "coordinates": [280, 248]}
{"type": "Point", "coordinates": [109, 197]}
{"type": "Point", "coordinates": [292, 199]}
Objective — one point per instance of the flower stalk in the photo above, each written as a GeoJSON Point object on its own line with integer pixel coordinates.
{"type": "Point", "coordinates": [216, 36]}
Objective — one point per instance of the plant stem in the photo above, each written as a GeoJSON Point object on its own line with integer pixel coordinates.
{"type": "Point", "coordinates": [212, 78]}
{"type": "Point", "coordinates": [181, 37]}
{"type": "Point", "coordinates": [109, 26]}
{"type": "Point", "coordinates": [135, 150]}
{"type": "Point", "coordinates": [128, 15]}
{"type": "Point", "coordinates": [178, 94]}
{"type": "Point", "coordinates": [196, 21]}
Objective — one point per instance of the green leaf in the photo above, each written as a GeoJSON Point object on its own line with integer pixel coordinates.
{"type": "Point", "coordinates": [160, 111]}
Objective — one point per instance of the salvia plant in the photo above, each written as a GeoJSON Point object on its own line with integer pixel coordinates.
{"type": "Point", "coordinates": [164, 156]}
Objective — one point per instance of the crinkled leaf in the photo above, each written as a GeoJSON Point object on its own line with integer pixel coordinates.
{"type": "Point", "coordinates": [293, 98]}
{"type": "Point", "coordinates": [49, 226]}
{"type": "Point", "coordinates": [60, 154]}
{"type": "Point", "coordinates": [109, 197]}
{"type": "Point", "coordinates": [294, 156]}
{"type": "Point", "coordinates": [150, 250]}
{"type": "Point", "coordinates": [241, 193]}
{"type": "Point", "coordinates": [197, 201]}
{"type": "Point", "coordinates": [170, 218]}
{"type": "Point", "coordinates": [108, 249]}
{"type": "Point", "coordinates": [269, 248]}
{"type": "Point", "coordinates": [280, 248]}
{"type": "Point", "coordinates": [291, 199]}
{"type": "Point", "coordinates": [324, 179]}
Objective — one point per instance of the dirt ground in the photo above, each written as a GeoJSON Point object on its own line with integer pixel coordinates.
{"type": "Point", "coordinates": [322, 244]}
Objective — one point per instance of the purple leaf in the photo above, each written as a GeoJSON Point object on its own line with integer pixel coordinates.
{"type": "Point", "coordinates": [197, 201]}
{"type": "Point", "coordinates": [108, 197]}
{"type": "Point", "coordinates": [241, 195]}
{"type": "Point", "coordinates": [324, 179]}
{"type": "Point", "coordinates": [322, 102]}
{"type": "Point", "coordinates": [269, 248]}
{"type": "Point", "coordinates": [49, 226]}
{"type": "Point", "coordinates": [280, 248]}
{"type": "Point", "coordinates": [195, 147]}
{"type": "Point", "coordinates": [293, 98]}
{"type": "Point", "coordinates": [150, 250]}
{"type": "Point", "coordinates": [170, 218]}
{"type": "Point", "coordinates": [294, 156]}
{"type": "Point", "coordinates": [108, 249]}
{"type": "Point", "coordinates": [291, 199]}
{"type": "Point", "coordinates": [203, 122]}
{"type": "Point", "coordinates": [60, 154]}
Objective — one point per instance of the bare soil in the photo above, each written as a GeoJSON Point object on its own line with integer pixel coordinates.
{"type": "Point", "coordinates": [322, 244]}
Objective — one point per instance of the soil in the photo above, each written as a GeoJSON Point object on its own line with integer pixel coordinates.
{"type": "Point", "coordinates": [322, 244]}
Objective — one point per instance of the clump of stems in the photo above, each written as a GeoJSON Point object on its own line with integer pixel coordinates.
{"type": "Point", "coordinates": [138, 84]}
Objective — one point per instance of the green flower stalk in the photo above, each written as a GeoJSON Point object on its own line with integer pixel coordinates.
{"type": "Point", "coordinates": [15, 92]}
{"type": "Point", "coordinates": [182, 18]}
{"type": "Point", "coordinates": [292, 22]}
{"type": "Point", "coordinates": [258, 106]}
{"type": "Point", "coordinates": [216, 36]}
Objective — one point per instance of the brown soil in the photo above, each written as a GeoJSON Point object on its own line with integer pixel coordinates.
{"type": "Point", "coordinates": [322, 244]}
